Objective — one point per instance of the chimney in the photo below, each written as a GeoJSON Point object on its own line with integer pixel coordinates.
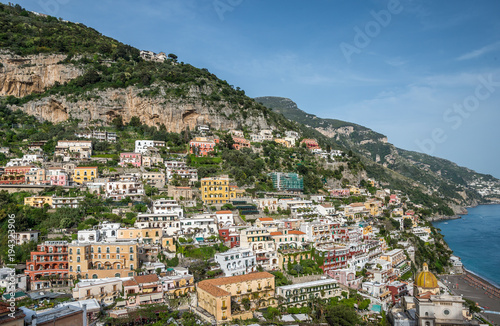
{"type": "Point", "coordinates": [84, 307]}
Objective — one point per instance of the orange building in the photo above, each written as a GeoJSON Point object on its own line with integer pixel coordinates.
{"type": "Point", "coordinates": [240, 143]}
{"type": "Point", "coordinates": [310, 143]}
{"type": "Point", "coordinates": [201, 146]}
{"type": "Point", "coordinates": [48, 265]}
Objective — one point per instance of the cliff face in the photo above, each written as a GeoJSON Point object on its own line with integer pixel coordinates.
{"type": "Point", "coordinates": [175, 113]}
{"type": "Point", "coordinates": [21, 76]}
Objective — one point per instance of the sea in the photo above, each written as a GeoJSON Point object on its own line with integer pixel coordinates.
{"type": "Point", "coordinates": [475, 238]}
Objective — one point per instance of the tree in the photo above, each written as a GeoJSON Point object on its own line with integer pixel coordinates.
{"type": "Point", "coordinates": [135, 122]}
{"type": "Point", "coordinates": [407, 223]}
{"type": "Point", "coordinates": [117, 122]}
{"type": "Point", "coordinates": [341, 315]}
{"type": "Point", "coordinates": [228, 141]}
{"type": "Point", "coordinates": [172, 57]}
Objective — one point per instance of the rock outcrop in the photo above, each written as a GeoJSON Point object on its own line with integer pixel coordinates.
{"type": "Point", "coordinates": [21, 76]}
{"type": "Point", "coordinates": [176, 114]}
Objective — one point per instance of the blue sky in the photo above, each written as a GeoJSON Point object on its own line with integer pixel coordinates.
{"type": "Point", "coordinates": [425, 73]}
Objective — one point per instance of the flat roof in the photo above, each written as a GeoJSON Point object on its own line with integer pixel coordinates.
{"type": "Point", "coordinates": [307, 284]}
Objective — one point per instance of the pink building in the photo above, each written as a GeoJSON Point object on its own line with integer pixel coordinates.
{"type": "Point", "coordinates": [57, 177]}
{"type": "Point", "coordinates": [347, 277]}
{"type": "Point", "coordinates": [141, 290]}
{"type": "Point", "coordinates": [134, 159]}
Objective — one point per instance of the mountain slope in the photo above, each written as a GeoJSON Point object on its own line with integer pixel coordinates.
{"type": "Point", "coordinates": [459, 186]}
{"type": "Point", "coordinates": [60, 71]}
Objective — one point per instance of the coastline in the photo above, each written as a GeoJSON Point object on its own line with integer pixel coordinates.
{"type": "Point", "coordinates": [444, 218]}
{"type": "Point", "coordinates": [476, 288]}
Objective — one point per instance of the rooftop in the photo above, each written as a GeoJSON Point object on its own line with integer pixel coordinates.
{"type": "Point", "coordinates": [308, 284]}
{"type": "Point", "coordinates": [212, 286]}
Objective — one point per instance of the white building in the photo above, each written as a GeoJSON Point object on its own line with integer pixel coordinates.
{"type": "Point", "coordinates": [297, 295]}
{"type": "Point", "coordinates": [224, 218]}
{"type": "Point", "coordinates": [237, 261]}
{"type": "Point", "coordinates": [271, 204]}
{"type": "Point", "coordinates": [125, 187]}
{"type": "Point", "coordinates": [141, 146]}
{"type": "Point", "coordinates": [27, 236]}
{"type": "Point", "coordinates": [169, 223]}
{"type": "Point", "coordinates": [167, 206]}
{"type": "Point", "coordinates": [200, 226]}
{"type": "Point", "coordinates": [27, 159]}
{"type": "Point", "coordinates": [10, 281]}
{"type": "Point", "coordinates": [326, 209]}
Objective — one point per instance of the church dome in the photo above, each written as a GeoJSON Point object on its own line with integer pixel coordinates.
{"type": "Point", "coordinates": [426, 279]}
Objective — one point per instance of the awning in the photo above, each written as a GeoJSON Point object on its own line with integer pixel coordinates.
{"type": "Point", "coordinates": [145, 298]}
{"type": "Point", "coordinates": [157, 296]}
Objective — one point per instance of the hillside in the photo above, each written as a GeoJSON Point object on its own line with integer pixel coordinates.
{"type": "Point", "coordinates": [88, 79]}
{"type": "Point", "coordinates": [459, 186]}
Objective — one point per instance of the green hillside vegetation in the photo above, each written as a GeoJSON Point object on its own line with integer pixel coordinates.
{"type": "Point", "coordinates": [109, 64]}
{"type": "Point", "coordinates": [440, 182]}
{"type": "Point", "coordinates": [24, 33]}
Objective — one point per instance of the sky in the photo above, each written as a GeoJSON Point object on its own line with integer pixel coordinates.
{"type": "Point", "coordinates": [425, 73]}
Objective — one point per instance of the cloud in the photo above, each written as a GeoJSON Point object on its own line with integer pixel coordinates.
{"type": "Point", "coordinates": [396, 62]}
{"type": "Point", "coordinates": [479, 52]}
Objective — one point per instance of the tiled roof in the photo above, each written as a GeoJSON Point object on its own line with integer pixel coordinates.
{"type": "Point", "coordinates": [265, 219]}
{"type": "Point", "coordinates": [212, 286]}
{"type": "Point", "coordinates": [151, 278]}
{"type": "Point", "coordinates": [276, 233]}
{"type": "Point", "coordinates": [357, 204]}
{"type": "Point", "coordinates": [295, 232]}
{"type": "Point", "coordinates": [223, 212]}
{"type": "Point", "coordinates": [130, 283]}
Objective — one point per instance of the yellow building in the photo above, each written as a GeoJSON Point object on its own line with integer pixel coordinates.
{"type": "Point", "coordinates": [373, 207]}
{"type": "Point", "coordinates": [146, 235]}
{"type": "Point", "coordinates": [38, 201]}
{"type": "Point", "coordinates": [283, 142]}
{"type": "Point", "coordinates": [103, 259]}
{"type": "Point", "coordinates": [177, 284]}
{"type": "Point", "coordinates": [216, 296]}
{"type": "Point", "coordinates": [290, 256]}
{"type": "Point", "coordinates": [84, 174]}
{"type": "Point", "coordinates": [354, 190]}
{"type": "Point", "coordinates": [217, 190]}
{"type": "Point", "coordinates": [168, 243]}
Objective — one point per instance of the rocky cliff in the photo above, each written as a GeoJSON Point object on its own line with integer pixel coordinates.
{"type": "Point", "coordinates": [21, 76]}
{"type": "Point", "coordinates": [176, 114]}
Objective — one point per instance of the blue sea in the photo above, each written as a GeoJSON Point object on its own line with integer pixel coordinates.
{"type": "Point", "coordinates": [475, 238]}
